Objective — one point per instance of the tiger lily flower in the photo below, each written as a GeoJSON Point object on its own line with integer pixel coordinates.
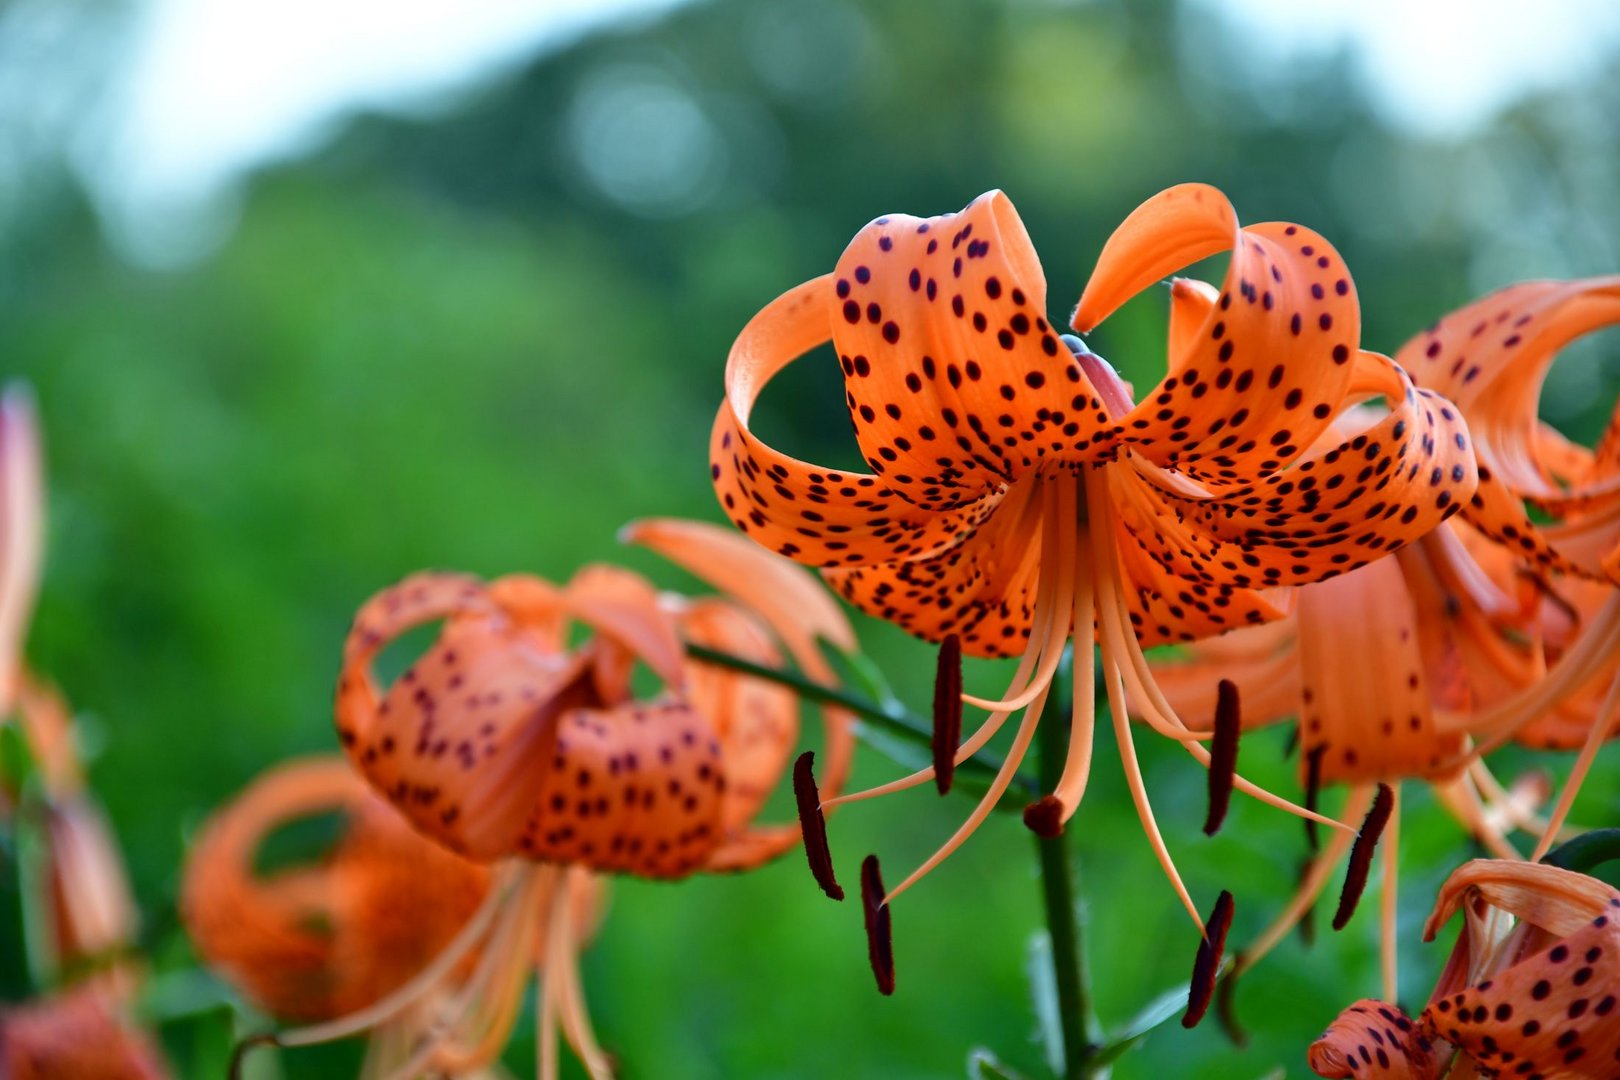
{"type": "Point", "coordinates": [1017, 494]}
{"type": "Point", "coordinates": [319, 941]}
{"type": "Point", "coordinates": [1491, 358]}
{"type": "Point", "coordinates": [77, 1033]}
{"type": "Point", "coordinates": [1532, 987]}
{"type": "Point", "coordinates": [506, 745]}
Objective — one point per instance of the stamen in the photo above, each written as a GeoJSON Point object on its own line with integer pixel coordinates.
{"type": "Point", "coordinates": [879, 933]}
{"type": "Point", "coordinates": [1355, 875]}
{"type": "Point", "coordinates": [1313, 792]}
{"type": "Point", "coordinates": [1223, 754]}
{"type": "Point", "coordinates": [240, 1052]}
{"type": "Point", "coordinates": [813, 823]}
{"type": "Point", "coordinates": [1226, 1005]}
{"type": "Point", "coordinates": [1044, 817]}
{"type": "Point", "coordinates": [1387, 909]}
{"type": "Point", "coordinates": [947, 711]}
{"type": "Point", "coordinates": [1307, 914]}
{"type": "Point", "coordinates": [1207, 964]}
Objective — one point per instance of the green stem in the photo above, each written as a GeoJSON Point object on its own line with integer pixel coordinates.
{"type": "Point", "coordinates": [892, 718]}
{"type": "Point", "coordinates": [1059, 893]}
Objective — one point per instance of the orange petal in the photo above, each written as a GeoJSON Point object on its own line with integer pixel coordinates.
{"type": "Point", "coordinates": [1260, 660]}
{"type": "Point", "coordinates": [1556, 1013]}
{"type": "Point", "coordinates": [823, 517]}
{"type": "Point", "coordinates": [1366, 708]}
{"type": "Point", "coordinates": [22, 516]}
{"type": "Point", "coordinates": [1491, 358]}
{"type": "Point", "coordinates": [1559, 901]}
{"type": "Point", "coordinates": [624, 607]}
{"type": "Point", "coordinates": [1269, 365]}
{"type": "Point", "coordinates": [983, 590]}
{"type": "Point", "coordinates": [1345, 505]}
{"type": "Point", "coordinates": [954, 379]}
{"type": "Point", "coordinates": [458, 743]}
{"type": "Point", "coordinates": [1372, 1039]}
{"type": "Point", "coordinates": [797, 609]}
{"type": "Point", "coordinates": [756, 721]}
{"type": "Point", "coordinates": [637, 788]}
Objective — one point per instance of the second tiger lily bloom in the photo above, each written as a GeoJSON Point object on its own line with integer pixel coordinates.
{"type": "Point", "coordinates": [1532, 987]}
{"type": "Point", "coordinates": [1019, 496]}
{"type": "Point", "coordinates": [507, 745]}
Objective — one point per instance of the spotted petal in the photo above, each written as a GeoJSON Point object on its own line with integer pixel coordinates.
{"type": "Point", "coordinates": [955, 381]}
{"type": "Point", "coordinates": [1373, 1040]}
{"type": "Point", "coordinates": [1270, 363]}
{"type": "Point", "coordinates": [822, 517]}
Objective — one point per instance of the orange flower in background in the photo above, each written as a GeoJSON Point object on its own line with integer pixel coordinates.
{"type": "Point", "coordinates": [318, 940]}
{"type": "Point", "coordinates": [1532, 987]}
{"type": "Point", "coordinates": [86, 918]}
{"type": "Point", "coordinates": [1017, 493]}
{"type": "Point", "coordinates": [506, 743]}
{"type": "Point", "coordinates": [78, 1033]}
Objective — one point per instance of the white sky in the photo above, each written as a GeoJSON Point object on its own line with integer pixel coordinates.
{"type": "Point", "coordinates": [218, 86]}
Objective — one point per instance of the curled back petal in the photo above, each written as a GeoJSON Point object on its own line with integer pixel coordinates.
{"type": "Point", "coordinates": [636, 788]}
{"type": "Point", "coordinates": [1372, 1039]}
{"type": "Point", "coordinates": [822, 517]}
{"type": "Point", "coordinates": [1556, 900]}
{"type": "Point", "coordinates": [1491, 357]}
{"type": "Point", "coordinates": [1346, 502]}
{"type": "Point", "coordinates": [1366, 714]}
{"type": "Point", "coordinates": [954, 379]}
{"type": "Point", "coordinates": [1271, 362]}
{"type": "Point", "coordinates": [321, 939]}
{"type": "Point", "coordinates": [22, 513]}
{"type": "Point", "coordinates": [624, 608]}
{"type": "Point", "coordinates": [458, 741]}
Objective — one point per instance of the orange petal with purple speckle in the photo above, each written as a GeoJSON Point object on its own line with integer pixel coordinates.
{"type": "Point", "coordinates": [1373, 1040]}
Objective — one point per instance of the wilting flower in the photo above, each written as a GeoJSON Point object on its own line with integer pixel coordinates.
{"type": "Point", "coordinates": [319, 940]}
{"type": "Point", "coordinates": [1017, 493]}
{"type": "Point", "coordinates": [1532, 987]}
{"type": "Point", "coordinates": [78, 1033]}
{"type": "Point", "coordinates": [506, 744]}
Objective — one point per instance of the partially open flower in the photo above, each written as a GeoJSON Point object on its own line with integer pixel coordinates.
{"type": "Point", "coordinates": [508, 742]}
{"type": "Point", "coordinates": [1019, 496]}
{"type": "Point", "coordinates": [1532, 987]}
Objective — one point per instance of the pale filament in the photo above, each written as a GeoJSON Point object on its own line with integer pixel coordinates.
{"type": "Point", "coordinates": [1317, 874]}
{"type": "Point", "coordinates": [507, 881]}
{"type": "Point", "coordinates": [1510, 807]}
{"type": "Point", "coordinates": [563, 942]}
{"type": "Point", "coordinates": [1050, 637]}
{"type": "Point", "coordinates": [1602, 727]}
{"type": "Point", "coordinates": [1118, 639]}
{"type": "Point", "coordinates": [1462, 798]}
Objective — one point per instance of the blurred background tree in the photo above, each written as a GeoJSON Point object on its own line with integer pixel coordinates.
{"type": "Point", "coordinates": [487, 335]}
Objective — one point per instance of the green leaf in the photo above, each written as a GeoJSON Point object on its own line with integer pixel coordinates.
{"type": "Point", "coordinates": [1586, 851]}
{"type": "Point", "coordinates": [856, 669]}
{"type": "Point", "coordinates": [982, 1064]}
{"type": "Point", "coordinates": [17, 765]}
{"type": "Point", "coordinates": [1044, 996]}
{"type": "Point", "coordinates": [1167, 1005]}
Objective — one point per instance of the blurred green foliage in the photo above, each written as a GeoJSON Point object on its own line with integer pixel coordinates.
{"type": "Point", "coordinates": [487, 338]}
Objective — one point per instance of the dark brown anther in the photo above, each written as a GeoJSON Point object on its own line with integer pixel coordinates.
{"type": "Point", "coordinates": [1207, 964]}
{"type": "Point", "coordinates": [1313, 792]}
{"type": "Point", "coordinates": [1044, 817]}
{"type": "Point", "coordinates": [814, 825]}
{"type": "Point", "coordinates": [1226, 1005]}
{"type": "Point", "coordinates": [1223, 754]}
{"type": "Point", "coordinates": [947, 711]}
{"type": "Point", "coordinates": [879, 934]}
{"type": "Point", "coordinates": [1355, 875]}
{"type": "Point", "coordinates": [240, 1051]}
